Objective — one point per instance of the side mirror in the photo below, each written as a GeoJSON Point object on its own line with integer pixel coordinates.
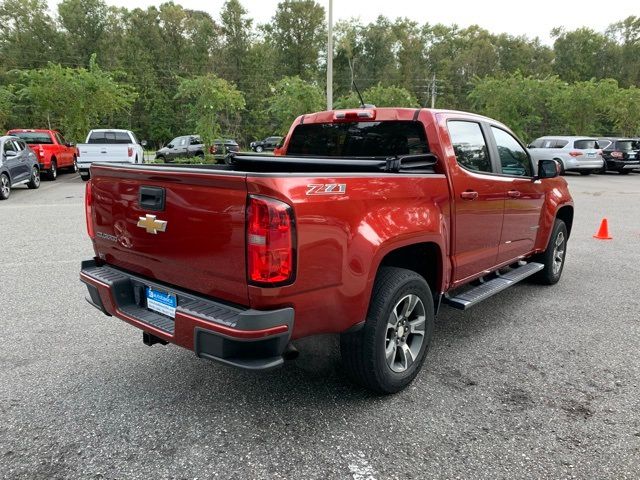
{"type": "Point", "coordinates": [10, 153]}
{"type": "Point", "coordinates": [170, 145]}
{"type": "Point", "coordinates": [143, 143]}
{"type": "Point", "coordinates": [548, 169]}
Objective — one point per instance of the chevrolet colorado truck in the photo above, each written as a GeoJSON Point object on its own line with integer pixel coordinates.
{"type": "Point", "coordinates": [368, 222]}
{"type": "Point", "coordinates": [53, 151]}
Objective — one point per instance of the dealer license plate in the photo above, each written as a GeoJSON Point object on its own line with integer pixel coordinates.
{"type": "Point", "coordinates": [164, 303]}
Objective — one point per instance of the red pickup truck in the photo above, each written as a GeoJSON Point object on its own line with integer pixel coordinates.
{"type": "Point", "coordinates": [53, 151]}
{"type": "Point", "coordinates": [368, 222]}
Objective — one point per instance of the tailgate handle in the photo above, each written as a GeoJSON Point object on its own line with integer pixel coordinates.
{"type": "Point", "coordinates": [151, 198]}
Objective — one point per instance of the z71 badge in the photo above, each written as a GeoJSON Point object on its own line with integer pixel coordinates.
{"type": "Point", "coordinates": [327, 189]}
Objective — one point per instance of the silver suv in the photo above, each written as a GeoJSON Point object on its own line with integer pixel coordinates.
{"type": "Point", "coordinates": [575, 154]}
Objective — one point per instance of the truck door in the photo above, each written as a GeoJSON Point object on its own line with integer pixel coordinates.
{"type": "Point", "coordinates": [523, 200]}
{"type": "Point", "coordinates": [478, 201]}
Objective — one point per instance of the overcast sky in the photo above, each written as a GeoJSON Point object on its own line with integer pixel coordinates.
{"type": "Point", "coordinates": [533, 19]}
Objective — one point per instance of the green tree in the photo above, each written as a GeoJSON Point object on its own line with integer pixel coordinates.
{"type": "Point", "coordinates": [236, 29]}
{"type": "Point", "coordinates": [6, 100]}
{"type": "Point", "coordinates": [624, 110]}
{"type": "Point", "coordinates": [84, 22]}
{"type": "Point", "coordinates": [73, 99]}
{"type": "Point", "coordinates": [298, 35]}
{"type": "Point", "coordinates": [290, 98]}
{"type": "Point", "coordinates": [380, 96]}
{"type": "Point", "coordinates": [583, 54]}
{"type": "Point", "coordinates": [212, 104]}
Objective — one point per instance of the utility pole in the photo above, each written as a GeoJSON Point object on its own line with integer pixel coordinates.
{"type": "Point", "coordinates": [433, 91]}
{"type": "Point", "coordinates": [330, 58]}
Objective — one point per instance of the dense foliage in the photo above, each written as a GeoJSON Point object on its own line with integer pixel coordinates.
{"type": "Point", "coordinates": [166, 71]}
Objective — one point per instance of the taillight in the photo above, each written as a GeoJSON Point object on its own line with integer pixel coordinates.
{"type": "Point", "coordinates": [130, 151]}
{"type": "Point", "coordinates": [575, 153]}
{"type": "Point", "coordinates": [617, 154]}
{"type": "Point", "coordinates": [270, 242]}
{"type": "Point", "coordinates": [88, 210]}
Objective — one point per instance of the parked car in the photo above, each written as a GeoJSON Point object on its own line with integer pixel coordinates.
{"type": "Point", "coordinates": [186, 146]}
{"type": "Point", "coordinates": [109, 145]}
{"type": "Point", "coordinates": [620, 154]}
{"type": "Point", "coordinates": [18, 166]}
{"type": "Point", "coordinates": [222, 147]}
{"type": "Point", "coordinates": [389, 213]}
{"type": "Point", "coordinates": [575, 154]}
{"type": "Point", "coordinates": [53, 151]}
{"type": "Point", "coordinates": [268, 144]}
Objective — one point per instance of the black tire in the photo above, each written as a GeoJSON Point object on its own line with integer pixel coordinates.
{"type": "Point", "coordinates": [550, 275]}
{"type": "Point", "coordinates": [585, 172]}
{"type": "Point", "coordinates": [623, 172]}
{"type": "Point", "coordinates": [259, 149]}
{"type": "Point", "coordinates": [85, 176]}
{"type": "Point", "coordinates": [363, 352]}
{"type": "Point", "coordinates": [34, 182]}
{"type": "Point", "coordinates": [52, 174]}
{"type": "Point", "coordinates": [161, 158]}
{"type": "Point", "coordinates": [74, 167]}
{"type": "Point", "coordinates": [5, 186]}
{"type": "Point", "coordinates": [562, 170]}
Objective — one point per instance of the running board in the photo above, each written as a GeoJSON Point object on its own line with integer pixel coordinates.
{"type": "Point", "coordinates": [488, 289]}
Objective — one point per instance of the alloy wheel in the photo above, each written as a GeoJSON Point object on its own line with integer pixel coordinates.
{"type": "Point", "coordinates": [405, 333]}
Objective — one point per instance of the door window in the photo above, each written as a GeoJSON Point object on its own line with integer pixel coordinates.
{"type": "Point", "coordinates": [182, 142]}
{"type": "Point", "coordinates": [470, 146]}
{"type": "Point", "coordinates": [513, 157]}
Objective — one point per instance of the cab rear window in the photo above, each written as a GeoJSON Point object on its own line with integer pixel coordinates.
{"type": "Point", "coordinates": [358, 139]}
{"type": "Point", "coordinates": [34, 138]}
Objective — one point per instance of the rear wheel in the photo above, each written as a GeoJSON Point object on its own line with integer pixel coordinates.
{"type": "Point", "coordinates": [5, 186]}
{"type": "Point", "coordinates": [388, 352]}
{"type": "Point", "coordinates": [74, 167]}
{"type": "Point", "coordinates": [623, 172]}
{"type": "Point", "coordinates": [562, 170]}
{"type": "Point", "coordinates": [585, 172]}
{"type": "Point", "coordinates": [53, 171]}
{"type": "Point", "coordinates": [34, 181]}
{"type": "Point", "coordinates": [85, 176]}
{"type": "Point", "coordinates": [554, 256]}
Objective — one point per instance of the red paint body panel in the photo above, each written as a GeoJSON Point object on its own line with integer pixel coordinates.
{"type": "Point", "coordinates": [63, 155]}
{"type": "Point", "coordinates": [342, 237]}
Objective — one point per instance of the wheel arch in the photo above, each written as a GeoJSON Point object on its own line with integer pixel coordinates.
{"type": "Point", "coordinates": [424, 258]}
{"type": "Point", "coordinates": [565, 213]}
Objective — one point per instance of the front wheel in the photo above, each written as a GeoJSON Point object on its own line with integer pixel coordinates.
{"type": "Point", "coordinates": [585, 172]}
{"type": "Point", "coordinates": [388, 352]}
{"type": "Point", "coordinates": [623, 172]}
{"type": "Point", "coordinates": [554, 256]}
{"type": "Point", "coordinates": [34, 181]}
{"type": "Point", "coordinates": [85, 176]}
{"type": "Point", "coordinates": [5, 187]}
{"type": "Point", "coordinates": [259, 149]}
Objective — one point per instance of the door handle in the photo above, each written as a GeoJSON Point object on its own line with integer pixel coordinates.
{"type": "Point", "coordinates": [469, 195]}
{"type": "Point", "coordinates": [514, 193]}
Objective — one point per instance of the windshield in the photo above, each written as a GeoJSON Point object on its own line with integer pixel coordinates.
{"type": "Point", "coordinates": [359, 139]}
{"type": "Point", "coordinates": [627, 145]}
{"type": "Point", "coordinates": [34, 138]}
{"type": "Point", "coordinates": [585, 144]}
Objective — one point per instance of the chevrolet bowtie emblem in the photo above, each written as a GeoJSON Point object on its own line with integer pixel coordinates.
{"type": "Point", "coordinates": [151, 225]}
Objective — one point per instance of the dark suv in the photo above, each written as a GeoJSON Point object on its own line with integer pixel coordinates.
{"type": "Point", "coordinates": [269, 143]}
{"type": "Point", "coordinates": [18, 166]}
{"type": "Point", "coordinates": [620, 154]}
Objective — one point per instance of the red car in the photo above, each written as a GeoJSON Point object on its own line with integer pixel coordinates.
{"type": "Point", "coordinates": [53, 151]}
{"type": "Point", "coordinates": [370, 221]}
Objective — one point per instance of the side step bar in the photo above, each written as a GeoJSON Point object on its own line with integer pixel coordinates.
{"type": "Point", "coordinates": [475, 295]}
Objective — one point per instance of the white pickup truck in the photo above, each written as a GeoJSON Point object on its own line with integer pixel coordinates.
{"type": "Point", "coordinates": [109, 146]}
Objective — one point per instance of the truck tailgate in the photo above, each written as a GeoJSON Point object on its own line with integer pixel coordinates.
{"type": "Point", "coordinates": [202, 247]}
{"type": "Point", "coordinates": [89, 153]}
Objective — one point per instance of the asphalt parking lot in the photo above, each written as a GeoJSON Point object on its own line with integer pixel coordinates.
{"type": "Point", "coordinates": [537, 382]}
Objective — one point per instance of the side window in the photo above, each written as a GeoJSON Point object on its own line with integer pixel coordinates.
{"type": "Point", "coordinates": [8, 145]}
{"type": "Point", "coordinates": [469, 146]}
{"type": "Point", "coordinates": [60, 140]}
{"type": "Point", "coordinates": [21, 144]}
{"type": "Point", "coordinates": [183, 141]}
{"type": "Point", "coordinates": [513, 157]}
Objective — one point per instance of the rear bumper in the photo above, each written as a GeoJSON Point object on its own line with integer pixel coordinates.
{"type": "Point", "coordinates": [245, 338]}
{"type": "Point", "coordinates": [583, 164]}
{"type": "Point", "coordinates": [613, 164]}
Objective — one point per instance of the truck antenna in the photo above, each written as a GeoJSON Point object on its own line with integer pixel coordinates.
{"type": "Point", "coordinates": [362, 104]}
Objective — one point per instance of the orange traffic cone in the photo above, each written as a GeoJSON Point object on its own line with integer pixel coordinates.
{"type": "Point", "coordinates": [603, 231]}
